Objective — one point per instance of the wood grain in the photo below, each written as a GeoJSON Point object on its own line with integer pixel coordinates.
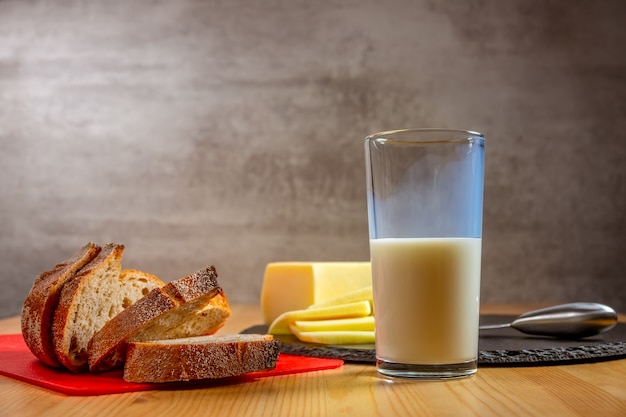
{"type": "Point", "coordinates": [353, 390]}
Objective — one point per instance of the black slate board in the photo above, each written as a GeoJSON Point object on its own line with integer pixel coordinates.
{"type": "Point", "coordinates": [502, 347]}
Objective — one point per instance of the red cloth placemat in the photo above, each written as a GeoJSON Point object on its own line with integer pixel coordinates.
{"type": "Point", "coordinates": [16, 361]}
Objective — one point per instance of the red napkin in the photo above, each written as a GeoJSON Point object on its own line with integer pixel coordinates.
{"type": "Point", "coordinates": [16, 361]}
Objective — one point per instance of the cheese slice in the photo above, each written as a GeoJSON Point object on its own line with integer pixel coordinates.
{"type": "Point", "coordinates": [282, 322]}
{"type": "Point", "coordinates": [333, 325]}
{"type": "Point", "coordinates": [289, 286]}
{"type": "Point", "coordinates": [335, 337]}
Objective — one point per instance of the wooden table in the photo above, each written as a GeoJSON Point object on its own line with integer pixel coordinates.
{"type": "Point", "coordinates": [597, 389]}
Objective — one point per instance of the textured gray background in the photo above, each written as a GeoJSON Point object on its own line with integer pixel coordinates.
{"type": "Point", "coordinates": [230, 132]}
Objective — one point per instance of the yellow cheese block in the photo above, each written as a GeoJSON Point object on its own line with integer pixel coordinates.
{"type": "Point", "coordinates": [289, 286]}
{"type": "Point", "coordinates": [362, 294]}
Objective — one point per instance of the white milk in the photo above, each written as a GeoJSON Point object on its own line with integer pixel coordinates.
{"type": "Point", "coordinates": [426, 299]}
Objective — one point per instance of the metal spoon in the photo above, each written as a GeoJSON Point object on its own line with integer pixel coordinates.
{"type": "Point", "coordinates": [568, 321]}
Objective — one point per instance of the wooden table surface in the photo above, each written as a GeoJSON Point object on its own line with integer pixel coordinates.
{"type": "Point", "coordinates": [595, 389]}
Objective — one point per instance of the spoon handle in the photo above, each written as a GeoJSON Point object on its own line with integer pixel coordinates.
{"type": "Point", "coordinates": [494, 326]}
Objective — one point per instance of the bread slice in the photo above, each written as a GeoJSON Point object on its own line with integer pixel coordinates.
{"type": "Point", "coordinates": [136, 284]}
{"type": "Point", "coordinates": [41, 301]}
{"type": "Point", "coordinates": [203, 357]}
{"type": "Point", "coordinates": [206, 321]}
{"type": "Point", "coordinates": [191, 306]}
{"type": "Point", "coordinates": [96, 294]}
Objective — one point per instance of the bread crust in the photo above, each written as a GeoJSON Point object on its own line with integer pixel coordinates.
{"type": "Point", "coordinates": [208, 357]}
{"type": "Point", "coordinates": [68, 353]}
{"type": "Point", "coordinates": [168, 312]}
{"type": "Point", "coordinates": [41, 302]}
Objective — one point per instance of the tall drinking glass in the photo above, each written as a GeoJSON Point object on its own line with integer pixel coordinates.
{"type": "Point", "coordinates": [425, 203]}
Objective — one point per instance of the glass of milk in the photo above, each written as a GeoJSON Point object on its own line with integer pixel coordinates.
{"type": "Point", "coordinates": [425, 204]}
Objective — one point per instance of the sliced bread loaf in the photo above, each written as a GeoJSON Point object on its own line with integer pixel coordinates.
{"type": "Point", "coordinates": [41, 301]}
{"type": "Point", "coordinates": [203, 357]}
{"type": "Point", "coordinates": [191, 306]}
{"type": "Point", "coordinates": [98, 292]}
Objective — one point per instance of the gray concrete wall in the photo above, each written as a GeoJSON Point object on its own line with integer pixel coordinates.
{"type": "Point", "coordinates": [230, 132]}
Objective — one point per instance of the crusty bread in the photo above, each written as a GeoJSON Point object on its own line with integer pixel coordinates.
{"type": "Point", "coordinates": [191, 306]}
{"type": "Point", "coordinates": [98, 292]}
{"type": "Point", "coordinates": [203, 357]}
{"type": "Point", "coordinates": [85, 313]}
{"type": "Point", "coordinates": [41, 301]}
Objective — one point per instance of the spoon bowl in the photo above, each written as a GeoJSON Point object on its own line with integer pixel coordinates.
{"type": "Point", "coordinates": [567, 321]}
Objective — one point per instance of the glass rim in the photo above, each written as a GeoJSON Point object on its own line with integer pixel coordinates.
{"type": "Point", "coordinates": [430, 135]}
